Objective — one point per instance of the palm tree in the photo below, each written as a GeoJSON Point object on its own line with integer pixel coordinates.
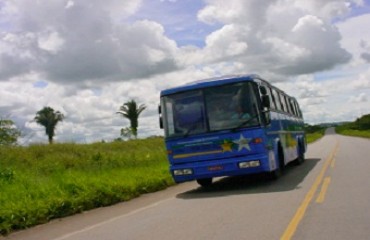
{"type": "Point", "coordinates": [49, 118]}
{"type": "Point", "coordinates": [131, 111]}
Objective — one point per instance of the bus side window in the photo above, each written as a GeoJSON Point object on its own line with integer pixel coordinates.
{"type": "Point", "coordinates": [272, 99]}
{"type": "Point", "coordinates": [292, 103]}
{"type": "Point", "coordinates": [275, 95]}
{"type": "Point", "coordinates": [282, 100]}
{"type": "Point", "coordinates": [266, 91]}
{"type": "Point", "coordinates": [289, 106]}
{"type": "Point", "coordinates": [298, 110]}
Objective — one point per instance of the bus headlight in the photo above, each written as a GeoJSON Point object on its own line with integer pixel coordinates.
{"type": "Point", "coordinates": [249, 164]}
{"type": "Point", "coordinates": [186, 171]}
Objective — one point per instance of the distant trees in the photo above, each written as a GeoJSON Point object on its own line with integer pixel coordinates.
{"type": "Point", "coordinates": [8, 132]}
{"type": "Point", "coordinates": [314, 128]}
{"type": "Point", "coordinates": [131, 110]}
{"type": "Point", "coordinates": [49, 118]}
{"type": "Point", "coordinates": [361, 123]}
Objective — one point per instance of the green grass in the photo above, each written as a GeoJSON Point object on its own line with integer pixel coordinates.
{"type": "Point", "coordinates": [311, 137]}
{"type": "Point", "coordinates": [42, 182]}
{"type": "Point", "coordinates": [354, 133]}
{"type": "Point", "coordinates": [314, 132]}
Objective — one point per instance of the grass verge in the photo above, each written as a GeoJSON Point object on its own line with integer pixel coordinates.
{"type": "Point", "coordinates": [311, 137]}
{"type": "Point", "coordinates": [39, 183]}
{"type": "Point", "coordinates": [354, 133]}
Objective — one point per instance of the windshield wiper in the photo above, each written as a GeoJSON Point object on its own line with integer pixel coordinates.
{"type": "Point", "coordinates": [250, 119]}
{"type": "Point", "coordinates": [190, 129]}
{"type": "Point", "coordinates": [245, 122]}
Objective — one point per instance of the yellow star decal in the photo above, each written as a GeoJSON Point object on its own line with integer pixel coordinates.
{"type": "Point", "coordinates": [226, 146]}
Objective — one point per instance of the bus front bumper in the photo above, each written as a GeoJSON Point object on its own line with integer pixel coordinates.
{"type": "Point", "coordinates": [220, 168]}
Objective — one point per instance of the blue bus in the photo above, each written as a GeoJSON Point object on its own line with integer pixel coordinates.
{"type": "Point", "coordinates": [228, 126]}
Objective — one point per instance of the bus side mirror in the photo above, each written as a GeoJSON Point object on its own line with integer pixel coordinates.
{"type": "Point", "coordinates": [266, 101]}
{"type": "Point", "coordinates": [263, 90]}
{"type": "Point", "coordinates": [160, 117]}
{"type": "Point", "coordinates": [265, 97]}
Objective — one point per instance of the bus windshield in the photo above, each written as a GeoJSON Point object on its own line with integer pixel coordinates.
{"type": "Point", "coordinates": [210, 109]}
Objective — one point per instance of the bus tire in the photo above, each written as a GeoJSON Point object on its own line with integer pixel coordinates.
{"type": "Point", "coordinates": [280, 169]}
{"type": "Point", "coordinates": [205, 182]}
{"type": "Point", "coordinates": [275, 174]}
{"type": "Point", "coordinates": [300, 158]}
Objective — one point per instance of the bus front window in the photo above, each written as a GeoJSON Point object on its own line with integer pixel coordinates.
{"type": "Point", "coordinates": [184, 114]}
{"type": "Point", "coordinates": [224, 107]}
{"type": "Point", "coordinates": [230, 106]}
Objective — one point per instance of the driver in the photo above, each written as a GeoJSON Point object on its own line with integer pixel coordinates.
{"type": "Point", "coordinates": [240, 111]}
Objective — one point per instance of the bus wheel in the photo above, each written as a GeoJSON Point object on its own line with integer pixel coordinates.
{"type": "Point", "coordinates": [205, 182]}
{"type": "Point", "coordinates": [300, 158]}
{"type": "Point", "coordinates": [280, 169]}
{"type": "Point", "coordinates": [275, 174]}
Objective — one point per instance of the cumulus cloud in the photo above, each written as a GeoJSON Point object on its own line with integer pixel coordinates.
{"type": "Point", "coordinates": [363, 81]}
{"type": "Point", "coordinates": [328, 9]}
{"type": "Point", "coordinates": [72, 41]}
{"type": "Point", "coordinates": [355, 39]}
{"type": "Point", "coordinates": [308, 88]}
{"type": "Point", "coordinates": [362, 97]}
{"type": "Point", "coordinates": [365, 47]}
{"type": "Point", "coordinates": [287, 37]}
{"type": "Point", "coordinates": [366, 57]}
{"type": "Point", "coordinates": [86, 58]}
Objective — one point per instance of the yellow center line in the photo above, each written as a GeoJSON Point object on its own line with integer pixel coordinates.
{"type": "Point", "coordinates": [332, 165]}
{"type": "Point", "coordinates": [292, 227]}
{"type": "Point", "coordinates": [324, 188]}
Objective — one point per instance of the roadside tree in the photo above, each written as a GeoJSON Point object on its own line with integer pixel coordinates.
{"type": "Point", "coordinates": [131, 110]}
{"type": "Point", "coordinates": [8, 132]}
{"type": "Point", "coordinates": [49, 118]}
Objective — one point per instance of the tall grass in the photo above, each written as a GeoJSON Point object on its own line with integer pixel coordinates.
{"type": "Point", "coordinates": [358, 128]}
{"type": "Point", "coordinates": [311, 137]}
{"type": "Point", "coordinates": [42, 182]}
{"type": "Point", "coordinates": [353, 132]}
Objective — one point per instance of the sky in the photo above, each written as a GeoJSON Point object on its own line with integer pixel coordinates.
{"type": "Point", "coordinates": [85, 58]}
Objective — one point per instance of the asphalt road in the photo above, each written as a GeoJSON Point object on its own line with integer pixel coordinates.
{"type": "Point", "coordinates": [327, 197]}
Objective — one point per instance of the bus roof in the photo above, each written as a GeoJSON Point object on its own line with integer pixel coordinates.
{"type": "Point", "coordinates": [209, 83]}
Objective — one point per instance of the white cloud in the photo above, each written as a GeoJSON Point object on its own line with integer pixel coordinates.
{"type": "Point", "coordinates": [91, 57]}
{"type": "Point", "coordinates": [363, 81]}
{"type": "Point", "coordinates": [354, 38]}
{"type": "Point", "coordinates": [327, 9]}
{"type": "Point", "coordinates": [309, 21]}
{"type": "Point", "coordinates": [50, 41]}
{"type": "Point", "coordinates": [69, 4]}
{"type": "Point", "coordinates": [92, 45]}
{"type": "Point", "coordinates": [362, 97]}
{"type": "Point", "coordinates": [285, 50]}
{"type": "Point", "coordinates": [309, 89]}
{"type": "Point", "coordinates": [281, 35]}
{"type": "Point", "coordinates": [90, 42]}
